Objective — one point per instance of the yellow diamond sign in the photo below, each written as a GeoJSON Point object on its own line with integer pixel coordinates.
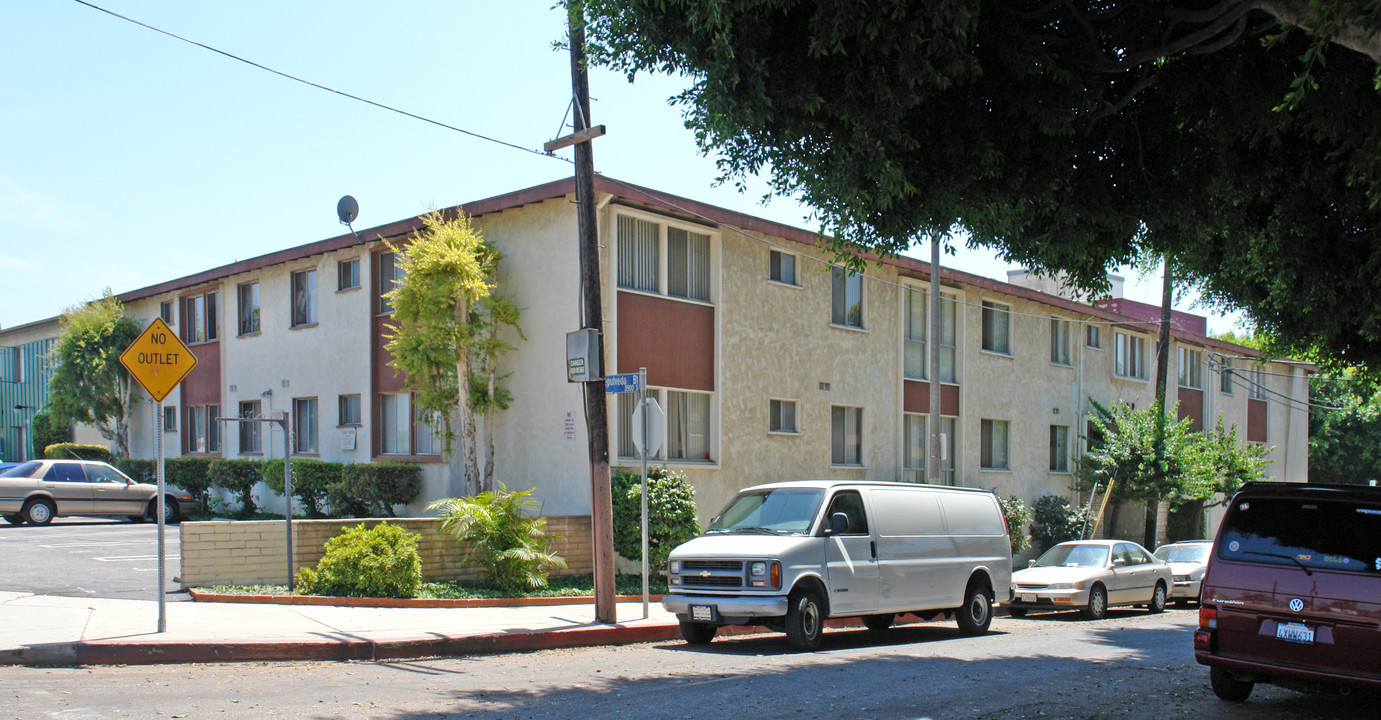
{"type": "Point", "coordinates": [158, 360]}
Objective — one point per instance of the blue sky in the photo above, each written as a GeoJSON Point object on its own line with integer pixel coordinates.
{"type": "Point", "coordinates": [128, 157]}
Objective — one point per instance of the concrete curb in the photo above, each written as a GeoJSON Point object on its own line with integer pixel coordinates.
{"type": "Point", "coordinates": [334, 601]}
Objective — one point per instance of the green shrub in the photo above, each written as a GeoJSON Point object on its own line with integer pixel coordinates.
{"type": "Point", "coordinates": [239, 478]}
{"type": "Point", "coordinates": [144, 471]}
{"type": "Point", "coordinates": [1017, 515]}
{"type": "Point", "coordinates": [671, 516]}
{"type": "Point", "coordinates": [312, 481]}
{"type": "Point", "coordinates": [372, 489]}
{"type": "Point", "coordinates": [192, 475]}
{"type": "Point", "coordinates": [73, 451]}
{"type": "Point", "coordinates": [48, 433]}
{"type": "Point", "coordinates": [381, 561]}
{"type": "Point", "coordinates": [1053, 521]}
{"type": "Point", "coordinates": [495, 533]}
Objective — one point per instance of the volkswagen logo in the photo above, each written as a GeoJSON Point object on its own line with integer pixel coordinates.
{"type": "Point", "coordinates": [1296, 604]}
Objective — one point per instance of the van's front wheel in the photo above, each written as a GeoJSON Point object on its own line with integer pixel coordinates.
{"type": "Point", "coordinates": [977, 613]}
{"type": "Point", "coordinates": [805, 620]}
{"type": "Point", "coordinates": [697, 633]}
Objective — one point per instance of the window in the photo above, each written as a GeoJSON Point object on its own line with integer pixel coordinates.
{"type": "Point", "coordinates": [305, 426]}
{"type": "Point", "coordinates": [1131, 356]}
{"type": "Point", "coordinates": [1059, 448]}
{"type": "Point", "coordinates": [304, 298]}
{"type": "Point", "coordinates": [248, 311]}
{"type": "Point", "coordinates": [639, 244]}
{"type": "Point", "coordinates": [349, 410]}
{"type": "Point", "coordinates": [917, 444]}
{"type": "Point", "coordinates": [846, 298]}
{"type": "Point", "coordinates": [1225, 380]}
{"type": "Point", "coordinates": [390, 274]}
{"type": "Point", "coordinates": [642, 245]}
{"type": "Point", "coordinates": [915, 362]}
{"type": "Point", "coordinates": [782, 268]}
{"type": "Point", "coordinates": [997, 328]}
{"type": "Point", "coordinates": [688, 426]}
{"type": "Point", "coordinates": [202, 432]}
{"type": "Point", "coordinates": [425, 438]}
{"type": "Point", "coordinates": [251, 433]}
{"type": "Point", "coordinates": [404, 430]}
{"type": "Point", "coordinates": [1191, 368]}
{"type": "Point", "coordinates": [169, 419]}
{"type": "Point", "coordinates": [688, 264]}
{"type": "Point", "coordinates": [165, 311]}
{"type": "Point", "coordinates": [626, 403]}
{"type": "Point", "coordinates": [1093, 337]}
{"type": "Point", "coordinates": [1256, 383]}
{"type": "Point", "coordinates": [1059, 341]}
{"type": "Point", "coordinates": [850, 503]}
{"type": "Point", "coordinates": [993, 445]}
{"type": "Point", "coordinates": [348, 274]}
{"type": "Point", "coordinates": [781, 416]}
{"type": "Point", "coordinates": [846, 435]}
{"type": "Point", "coordinates": [199, 321]}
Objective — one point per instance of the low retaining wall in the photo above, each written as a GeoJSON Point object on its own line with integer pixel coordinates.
{"type": "Point", "coordinates": [254, 552]}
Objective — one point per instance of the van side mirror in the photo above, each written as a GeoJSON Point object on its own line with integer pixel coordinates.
{"type": "Point", "coordinates": [839, 524]}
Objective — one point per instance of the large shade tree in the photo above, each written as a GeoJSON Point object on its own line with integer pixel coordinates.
{"type": "Point", "coordinates": [89, 385]}
{"type": "Point", "coordinates": [1240, 139]}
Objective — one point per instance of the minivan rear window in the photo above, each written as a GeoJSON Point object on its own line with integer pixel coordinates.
{"type": "Point", "coordinates": [1306, 533]}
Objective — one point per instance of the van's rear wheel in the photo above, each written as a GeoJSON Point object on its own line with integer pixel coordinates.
{"type": "Point", "coordinates": [805, 620]}
{"type": "Point", "coordinates": [1227, 687]}
{"type": "Point", "coordinates": [697, 633]}
{"type": "Point", "coordinates": [977, 613]}
{"type": "Point", "coordinates": [879, 623]}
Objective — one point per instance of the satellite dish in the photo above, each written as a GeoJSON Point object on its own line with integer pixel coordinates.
{"type": "Point", "coordinates": [348, 210]}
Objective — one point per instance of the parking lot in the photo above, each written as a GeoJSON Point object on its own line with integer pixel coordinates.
{"type": "Point", "coordinates": [86, 557]}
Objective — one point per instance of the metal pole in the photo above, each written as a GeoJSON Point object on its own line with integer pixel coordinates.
{"type": "Point", "coordinates": [288, 492]}
{"type": "Point", "coordinates": [642, 387]}
{"type": "Point", "coordinates": [932, 465]}
{"type": "Point", "coordinates": [162, 553]}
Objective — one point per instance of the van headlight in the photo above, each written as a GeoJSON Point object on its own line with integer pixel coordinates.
{"type": "Point", "coordinates": [674, 566]}
{"type": "Point", "coordinates": [765, 574]}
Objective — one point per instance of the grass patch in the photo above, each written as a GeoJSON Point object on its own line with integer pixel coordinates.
{"type": "Point", "coordinates": [561, 586]}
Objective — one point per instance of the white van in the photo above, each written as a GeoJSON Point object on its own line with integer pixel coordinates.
{"type": "Point", "coordinates": [789, 555]}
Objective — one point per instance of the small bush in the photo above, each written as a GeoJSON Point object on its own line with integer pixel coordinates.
{"type": "Point", "coordinates": [73, 451]}
{"type": "Point", "coordinates": [192, 475]}
{"type": "Point", "coordinates": [671, 516]}
{"type": "Point", "coordinates": [312, 481]}
{"type": "Point", "coordinates": [381, 561]}
{"type": "Point", "coordinates": [1017, 515]}
{"type": "Point", "coordinates": [239, 478]}
{"type": "Point", "coordinates": [1053, 521]}
{"type": "Point", "coordinates": [48, 433]}
{"type": "Point", "coordinates": [373, 489]}
{"type": "Point", "coordinates": [494, 531]}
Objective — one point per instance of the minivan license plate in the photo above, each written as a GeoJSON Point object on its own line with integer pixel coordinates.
{"type": "Point", "coordinates": [704, 612]}
{"type": "Point", "coordinates": [1295, 633]}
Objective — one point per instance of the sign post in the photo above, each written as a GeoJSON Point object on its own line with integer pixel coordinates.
{"type": "Point", "coordinates": [648, 424]}
{"type": "Point", "coordinates": [158, 361]}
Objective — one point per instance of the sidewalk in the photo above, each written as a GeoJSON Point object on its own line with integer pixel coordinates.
{"type": "Point", "coordinates": [64, 631]}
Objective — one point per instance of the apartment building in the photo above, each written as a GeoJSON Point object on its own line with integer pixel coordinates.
{"type": "Point", "coordinates": [771, 363]}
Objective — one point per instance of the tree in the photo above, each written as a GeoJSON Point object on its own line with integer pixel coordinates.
{"type": "Point", "coordinates": [89, 385]}
{"type": "Point", "coordinates": [47, 432]}
{"type": "Point", "coordinates": [1242, 139]}
{"type": "Point", "coordinates": [447, 270]}
{"type": "Point", "coordinates": [1345, 428]}
{"type": "Point", "coordinates": [487, 395]}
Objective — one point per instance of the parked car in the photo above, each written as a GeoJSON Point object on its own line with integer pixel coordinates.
{"type": "Point", "coordinates": [1188, 559]}
{"type": "Point", "coordinates": [37, 491]}
{"type": "Point", "coordinates": [1292, 595]}
{"type": "Point", "coordinates": [1091, 575]}
{"type": "Point", "coordinates": [789, 555]}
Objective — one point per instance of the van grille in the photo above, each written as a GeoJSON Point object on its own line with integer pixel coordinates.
{"type": "Point", "coordinates": [712, 573]}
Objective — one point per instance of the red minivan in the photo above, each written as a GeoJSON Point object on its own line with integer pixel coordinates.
{"type": "Point", "coordinates": [1292, 594]}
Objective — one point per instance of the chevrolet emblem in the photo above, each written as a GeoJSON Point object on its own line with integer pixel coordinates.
{"type": "Point", "coordinates": [704, 573]}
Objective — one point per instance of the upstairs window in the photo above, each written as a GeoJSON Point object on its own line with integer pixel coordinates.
{"type": "Point", "coordinates": [391, 273]}
{"type": "Point", "coordinates": [916, 364]}
{"type": "Point", "coordinates": [165, 311]}
{"type": "Point", "coordinates": [994, 445]}
{"type": "Point", "coordinates": [1130, 360]}
{"type": "Point", "coordinates": [348, 274]}
{"type": "Point", "coordinates": [247, 308]}
{"type": "Point", "coordinates": [1256, 383]}
{"type": "Point", "coordinates": [1191, 368]}
{"type": "Point", "coordinates": [782, 268]}
{"type": "Point", "coordinates": [304, 298]}
{"type": "Point", "coordinates": [846, 298]}
{"type": "Point", "coordinates": [664, 259]}
{"type": "Point", "coordinates": [199, 318]}
{"type": "Point", "coordinates": [1093, 337]}
{"type": "Point", "coordinates": [781, 416]}
{"type": "Point", "coordinates": [997, 324]}
{"type": "Point", "coordinates": [1225, 381]}
{"type": "Point", "coordinates": [1059, 341]}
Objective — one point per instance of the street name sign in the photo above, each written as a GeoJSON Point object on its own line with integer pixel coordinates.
{"type": "Point", "coordinates": [622, 383]}
{"type": "Point", "coordinates": [158, 360]}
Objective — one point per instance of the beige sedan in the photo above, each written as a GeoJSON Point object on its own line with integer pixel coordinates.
{"type": "Point", "coordinates": [1092, 576]}
{"type": "Point", "coordinates": [37, 491]}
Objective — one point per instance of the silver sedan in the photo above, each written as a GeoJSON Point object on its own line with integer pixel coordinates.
{"type": "Point", "coordinates": [1091, 575]}
{"type": "Point", "coordinates": [37, 491]}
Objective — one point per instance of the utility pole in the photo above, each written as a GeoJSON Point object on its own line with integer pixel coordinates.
{"type": "Point", "coordinates": [1167, 296]}
{"type": "Point", "coordinates": [596, 407]}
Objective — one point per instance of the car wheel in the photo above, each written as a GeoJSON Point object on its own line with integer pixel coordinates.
{"type": "Point", "coordinates": [1157, 599]}
{"type": "Point", "coordinates": [14, 518]}
{"type": "Point", "coordinates": [879, 623]}
{"type": "Point", "coordinates": [805, 620]}
{"type": "Point", "coordinates": [171, 516]}
{"type": "Point", "coordinates": [1017, 612]}
{"type": "Point", "coordinates": [1097, 603]}
{"type": "Point", "coordinates": [39, 511]}
{"type": "Point", "coordinates": [1226, 687]}
{"type": "Point", "coordinates": [977, 613]}
{"type": "Point", "coordinates": [697, 633]}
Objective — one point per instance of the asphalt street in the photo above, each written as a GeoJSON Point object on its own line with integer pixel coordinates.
{"type": "Point", "coordinates": [86, 557]}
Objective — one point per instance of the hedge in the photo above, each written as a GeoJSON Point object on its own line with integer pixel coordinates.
{"type": "Point", "coordinates": [239, 477]}
{"type": "Point", "coordinates": [371, 490]}
{"type": "Point", "coordinates": [312, 481]}
{"type": "Point", "coordinates": [73, 451]}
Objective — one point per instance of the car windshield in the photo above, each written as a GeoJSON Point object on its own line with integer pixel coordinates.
{"type": "Point", "coordinates": [1307, 533]}
{"type": "Point", "coordinates": [20, 470]}
{"type": "Point", "coordinates": [1074, 556]}
{"type": "Point", "coordinates": [1183, 553]}
{"type": "Point", "coordinates": [778, 511]}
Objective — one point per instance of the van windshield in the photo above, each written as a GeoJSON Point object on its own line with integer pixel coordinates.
{"type": "Point", "coordinates": [1306, 533]}
{"type": "Point", "coordinates": [778, 511]}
